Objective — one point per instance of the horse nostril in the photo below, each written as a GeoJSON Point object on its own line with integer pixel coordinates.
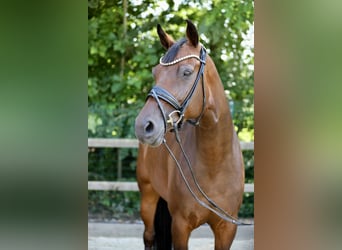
{"type": "Point", "coordinates": [149, 127]}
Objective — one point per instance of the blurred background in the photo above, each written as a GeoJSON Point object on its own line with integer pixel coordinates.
{"type": "Point", "coordinates": [44, 111]}
{"type": "Point", "coordinates": [123, 46]}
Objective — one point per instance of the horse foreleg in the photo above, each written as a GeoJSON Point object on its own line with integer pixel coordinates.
{"type": "Point", "coordinates": [224, 234]}
{"type": "Point", "coordinates": [180, 233]}
{"type": "Point", "coordinates": [149, 199]}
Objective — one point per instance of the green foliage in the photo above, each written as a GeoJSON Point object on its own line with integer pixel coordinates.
{"type": "Point", "coordinates": [247, 207]}
{"type": "Point", "coordinates": [114, 205]}
{"type": "Point", "coordinates": [120, 57]}
{"type": "Point", "coordinates": [123, 46]}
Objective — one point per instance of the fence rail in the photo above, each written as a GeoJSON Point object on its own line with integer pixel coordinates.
{"type": "Point", "coordinates": [133, 186]}
{"type": "Point", "coordinates": [133, 143]}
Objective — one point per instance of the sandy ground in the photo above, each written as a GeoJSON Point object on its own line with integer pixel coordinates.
{"type": "Point", "coordinates": [105, 236]}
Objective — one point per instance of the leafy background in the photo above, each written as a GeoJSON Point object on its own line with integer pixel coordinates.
{"type": "Point", "coordinates": [123, 46]}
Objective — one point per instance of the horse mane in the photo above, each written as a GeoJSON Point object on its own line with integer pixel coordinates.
{"type": "Point", "coordinates": [173, 51]}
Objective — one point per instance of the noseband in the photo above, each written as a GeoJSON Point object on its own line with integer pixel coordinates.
{"type": "Point", "coordinates": [160, 93]}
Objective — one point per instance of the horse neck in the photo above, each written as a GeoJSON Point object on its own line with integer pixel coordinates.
{"type": "Point", "coordinates": [216, 130]}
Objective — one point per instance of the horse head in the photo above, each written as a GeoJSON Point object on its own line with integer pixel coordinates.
{"type": "Point", "coordinates": [176, 96]}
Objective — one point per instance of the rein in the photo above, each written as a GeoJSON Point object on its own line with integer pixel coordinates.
{"type": "Point", "coordinates": [159, 93]}
{"type": "Point", "coordinates": [216, 209]}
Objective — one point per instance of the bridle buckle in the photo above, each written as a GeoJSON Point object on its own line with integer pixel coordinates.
{"type": "Point", "coordinates": [172, 121]}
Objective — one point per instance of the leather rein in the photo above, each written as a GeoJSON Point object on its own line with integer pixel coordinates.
{"type": "Point", "coordinates": [160, 93]}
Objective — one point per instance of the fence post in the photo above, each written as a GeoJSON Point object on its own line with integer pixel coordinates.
{"type": "Point", "coordinates": [119, 165]}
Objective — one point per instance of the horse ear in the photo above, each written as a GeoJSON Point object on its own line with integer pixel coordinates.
{"type": "Point", "coordinates": [165, 39]}
{"type": "Point", "coordinates": [191, 33]}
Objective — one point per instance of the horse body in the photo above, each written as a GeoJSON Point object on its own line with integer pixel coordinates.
{"type": "Point", "coordinates": [212, 148]}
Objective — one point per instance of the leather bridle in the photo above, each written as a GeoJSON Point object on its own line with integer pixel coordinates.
{"type": "Point", "coordinates": [159, 93]}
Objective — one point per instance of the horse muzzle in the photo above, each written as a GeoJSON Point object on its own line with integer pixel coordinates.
{"type": "Point", "coordinates": [149, 127]}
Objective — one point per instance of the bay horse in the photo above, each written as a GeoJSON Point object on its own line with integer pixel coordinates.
{"type": "Point", "coordinates": [190, 168]}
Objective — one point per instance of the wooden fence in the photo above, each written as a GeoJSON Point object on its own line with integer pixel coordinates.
{"type": "Point", "coordinates": [133, 143]}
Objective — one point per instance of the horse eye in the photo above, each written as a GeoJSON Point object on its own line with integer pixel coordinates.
{"type": "Point", "coordinates": [187, 72]}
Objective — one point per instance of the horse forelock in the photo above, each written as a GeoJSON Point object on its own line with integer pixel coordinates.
{"type": "Point", "coordinates": [173, 51]}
